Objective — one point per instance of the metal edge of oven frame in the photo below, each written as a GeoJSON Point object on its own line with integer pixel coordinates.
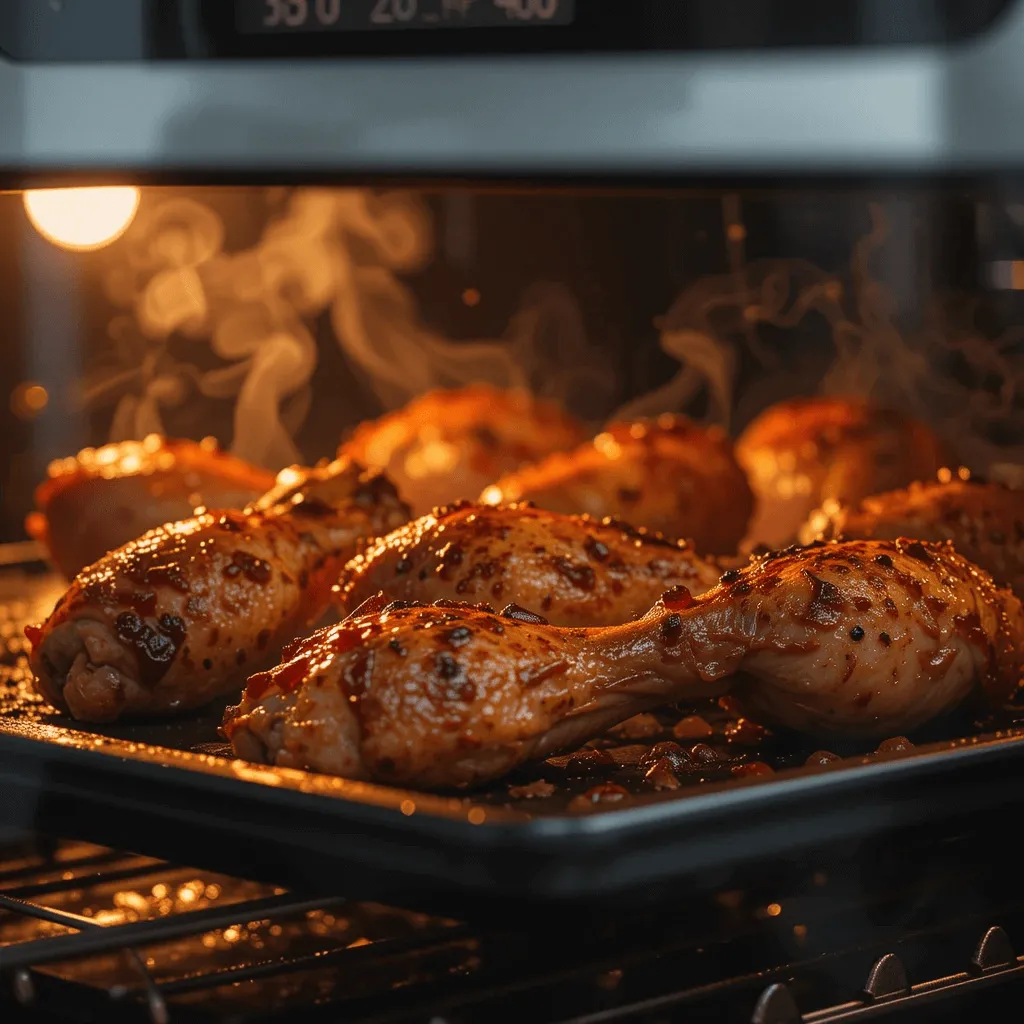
{"type": "Point", "coordinates": [918, 110]}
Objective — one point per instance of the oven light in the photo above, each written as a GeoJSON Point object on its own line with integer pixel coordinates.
{"type": "Point", "coordinates": [82, 219]}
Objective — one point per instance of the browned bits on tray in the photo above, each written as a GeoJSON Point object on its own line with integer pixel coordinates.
{"type": "Point", "coordinates": [539, 789]}
{"type": "Point", "coordinates": [691, 727]}
{"type": "Point", "coordinates": [661, 776]}
{"type": "Point", "coordinates": [820, 758]}
{"type": "Point", "coordinates": [607, 793]}
{"type": "Point", "coordinates": [671, 753]}
{"type": "Point", "coordinates": [639, 727]}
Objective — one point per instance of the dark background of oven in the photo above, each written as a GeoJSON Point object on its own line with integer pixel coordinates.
{"type": "Point", "coordinates": [625, 257]}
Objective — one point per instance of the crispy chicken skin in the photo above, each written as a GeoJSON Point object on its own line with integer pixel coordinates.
{"type": "Point", "coordinates": [183, 614]}
{"type": "Point", "coordinates": [668, 475]}
{"type": "Point", "coordinates": [985, 522]}
{"type": "Point", "coordinates": [575, 570]}
{"type": "Point", "coordinates": [104, 497]}
{"type": "Point", "coordinates": [800, 453]}
{"type": "Point", "coordinates": [447, 445]}
{"type": "Point", "coordinates": [862, 637]}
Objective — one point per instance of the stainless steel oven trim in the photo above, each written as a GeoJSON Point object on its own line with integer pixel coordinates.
{"type": "Point", "coordinates": [924, 110]}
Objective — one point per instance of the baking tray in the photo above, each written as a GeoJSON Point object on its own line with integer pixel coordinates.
{"type": "Point", "coordinates": [588, 829]}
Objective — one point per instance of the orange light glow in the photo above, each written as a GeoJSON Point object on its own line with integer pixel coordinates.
{"type": "Point", "coordinates": [81, 219]}
{"type": "Point", "coordinates": [29, 399]}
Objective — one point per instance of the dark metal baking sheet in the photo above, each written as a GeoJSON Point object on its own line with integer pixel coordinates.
{"type": "Point", "coordinates": [599, 831]}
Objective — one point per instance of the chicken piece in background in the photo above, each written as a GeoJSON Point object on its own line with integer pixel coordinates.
{"type": "Point", "coordinates": [184, 613]}
{"type": "Point", "coordinates": [868, 638]}
{"type": "Point", "coordinates": [574, 570]}
{"type": "Point", "coordinates": [985, 521]}
{"type": "Point", "coordinates": [805, 451]}
{"type": "Point", "coordinates": [102, 498]}
{"type": "Point", "coordinates": [669, 475]}
{"type": "Point", "coordinates": [447, 445]}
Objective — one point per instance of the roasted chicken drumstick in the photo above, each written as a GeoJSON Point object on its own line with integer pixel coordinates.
{"type": "Point", "coordinates": [187, 611]}
{"type": "Point", "coordinates": [869, 637]}
{"type": "Point", "coordinates": [805, 451]}
{"type": "Point", "coordinates": [104, 497]}
{"type": "Point", "coordinates": [669, 475]}
{"type": "Point", "coordinates": [448, 445]}
{"type": "Point", "coordinates": [576, 570]}
{"type": "Point", "coordinates": [984, 521]}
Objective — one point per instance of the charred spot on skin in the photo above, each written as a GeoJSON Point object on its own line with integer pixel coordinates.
{"type": "Point", "coordinates": [519, 614]}
{"type": "Point", "coordinates": [207, 664]}
{"type": "Point", "coordinates": [730, 576]}
{"type": "Point", "coordinates": [396, 645]}
{"type": "Point", "coordinates": [580, 576]}
{"type": "Point", "coordinates": [672, 628]}
{"type": "Point", "coordinates": [155, 649]}
{"type": "Point", "coordinates": [262, 639]}
{"type": "Point", "coordinates": [230, 524]}
{"type": "Point", "coordinates": [827, 603]}
{"type": "Point", "coordinates": [256, 570]}
{"type": "Point", "coordinates": [447, 666]}
{"type": "Point", "coordinates": [596, 550]}
{"type": "Point", "coordinates": [857, 634]}
{"type": "Point", "coordinates": [862, 604]}
{"type": "Point", "coordinates": [459, 637]}
{"type": "Point", "coordinates": [884, 560]}
{"type": "Point", "coordinates": [240, 656]}
{"type": "Point", "coordinates": [403, 565]}
{"type": "Point", "coordinates": [629, 495]}
{"type": "Point", "coordinates": [915, 549]}
{"type": "Point", "coordinates": [884, 639]}
{"type": "Point", "coordinates": [890, 606]}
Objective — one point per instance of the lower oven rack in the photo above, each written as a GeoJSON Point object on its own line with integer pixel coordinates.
{"type": "Point", "coordinates": [168, 790]}
{"type": "Point", "coordinates": [454, 972]}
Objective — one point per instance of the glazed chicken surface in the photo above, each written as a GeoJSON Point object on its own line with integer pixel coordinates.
{"type": "Point", "coordinates": [862, 637]}
{"type": "Point", "coordinates": [104, 497]}
{"type": "Point", "coordinates": [985, 522]}
{"type": "Point", "coordinates": [447, 445]}
{"type": "Point", "coordinates": [803, 452]}
{"type": "Point", "coordinates": [186, 612]}
{"type": "Point", "coordinates": [668, 475]}
{"type": "Point", "coordinates": [575, 570]}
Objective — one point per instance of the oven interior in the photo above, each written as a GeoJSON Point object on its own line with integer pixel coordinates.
{"type": "Point", "coordinates": [615, 304]}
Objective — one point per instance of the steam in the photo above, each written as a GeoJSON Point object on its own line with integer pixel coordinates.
{"type": "Point", "coordinates": [947, 373]}
{"type": "Point", "coordinates": [198, 323]}
{"type": "Point", "coordinates": [339, 252]}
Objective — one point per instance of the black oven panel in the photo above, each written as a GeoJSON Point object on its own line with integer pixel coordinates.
{"type": "Point", "coordinates": [130, 30]}
{"type": "Point", "coordinates": [281, 17]}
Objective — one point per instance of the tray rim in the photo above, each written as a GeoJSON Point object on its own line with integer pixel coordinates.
{"type": "Point", "coordinates": [710, 802]}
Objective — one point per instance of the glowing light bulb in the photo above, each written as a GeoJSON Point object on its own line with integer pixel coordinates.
{"type": "Point", "coordinates": [82, 219]}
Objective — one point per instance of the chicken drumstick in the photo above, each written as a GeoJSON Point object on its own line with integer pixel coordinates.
{"type": "Point", "coordinates": [104, 497]}
{"type": "Point", "coordinates": [576, 570]}
{"type": "Point", "coordinates": [984, 521]}
{"type": "Point", "coordinates": [870, 637]}
{"type": "Point", "coordinates": [669, 475]}
{"type": "Point", "coordinates": [805, 451]}
{"type": "Point", "coordinates": [187, 611]}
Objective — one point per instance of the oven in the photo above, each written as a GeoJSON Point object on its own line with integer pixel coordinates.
{"type": "Point", "coordinates": [485, 251]}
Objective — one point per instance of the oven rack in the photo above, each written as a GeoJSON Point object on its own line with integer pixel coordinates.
{"type": "Point", "coordinates": [768, 996]}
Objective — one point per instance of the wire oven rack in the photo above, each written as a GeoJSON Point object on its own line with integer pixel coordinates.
{"type": "Point", "coordinates": [148, 940]}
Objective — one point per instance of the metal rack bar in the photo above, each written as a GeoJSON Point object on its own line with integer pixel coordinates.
{"type": "Point", "coordinates": [140, 933]}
